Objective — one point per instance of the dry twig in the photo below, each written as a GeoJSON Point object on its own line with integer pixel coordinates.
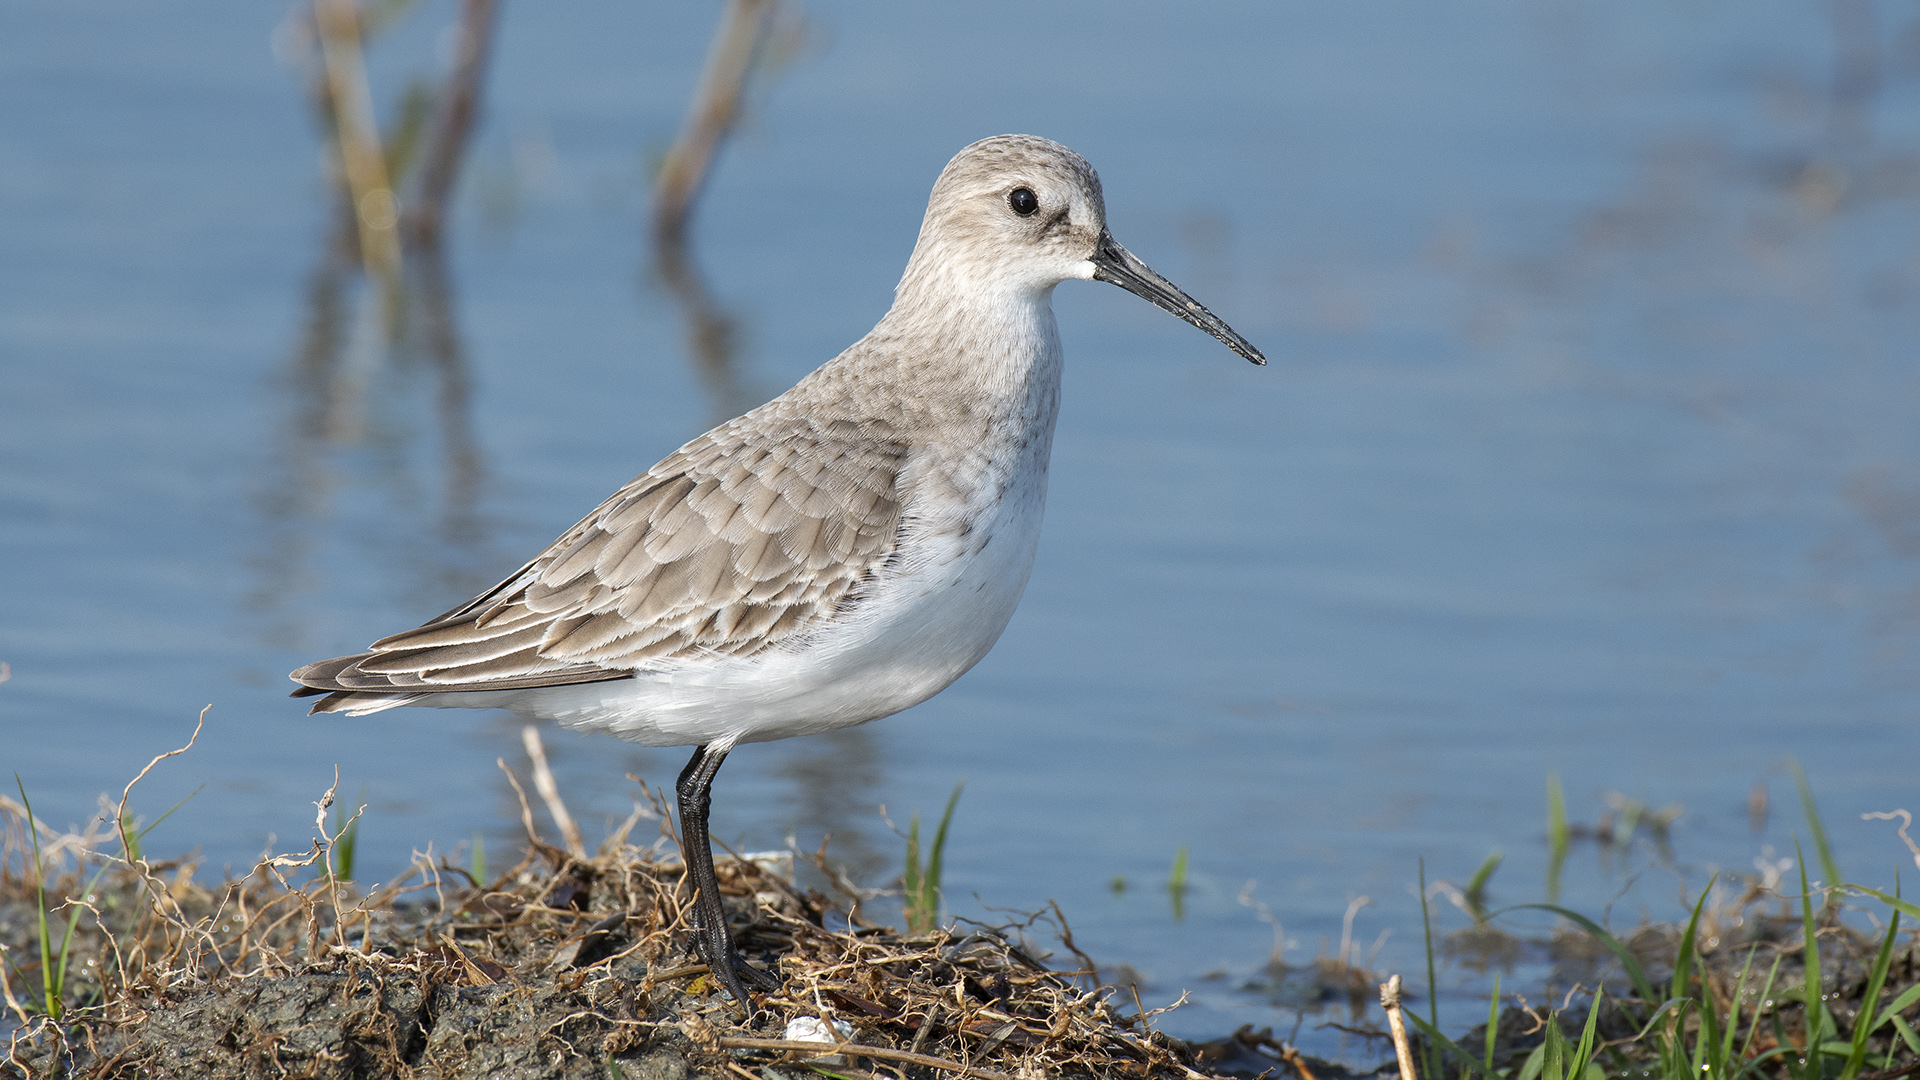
{"type": "Point", "coordinates": [550, 792]}
{"type": "Point", "coordinates": [1390, 1001]}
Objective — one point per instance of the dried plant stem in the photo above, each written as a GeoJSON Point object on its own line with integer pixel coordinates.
{"type": "Point", "coordinates": [1390, 1001]}
{"type": "Point", "coordinates": [1292, 1056]}
{"type": "Point", "coordinates": [550, 792]}
{"type": "Point", "coordinates": [715, 108]}
{"type": "Point", "coordinates": [459, 107]}
{"type": "Point", "coordinates": [362, 161]}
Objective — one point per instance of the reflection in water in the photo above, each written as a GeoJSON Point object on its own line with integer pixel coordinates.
{"type": "Point", "coordinates": [369, 336]}
{"type": "Point", "coordinates": [749, 38]}
{"type": "Point", "coordinates": [1742, 277]}
{"type": "Point", "coordinates": [440, 344]}
{"type": "Point", "coordinates": [1742, 305]}
{"type": "Point", "coordinates": [1856, 74]}
{"type": "Point", "coordinates": [355, 398]}
{"type": "Point", "coordinates": [713, 335]}
{"type": "Point", "coordinates": [833, 777]}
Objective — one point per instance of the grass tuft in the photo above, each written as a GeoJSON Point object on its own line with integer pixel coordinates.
{"type": "Point", "coordinates": [921, 884]}
{"type": "Point", "coordinates": [477, 862]}
{"type": "Point", "coordinates": [347, 840]}
{"type": "Point", "coordinates": [50, 979]}
{"type": "Point", "coordinates": [1476, 895]}
{"type": "Point", "coordinates": [1820, 845]}
{"type": "Point", "coordinates": [1177, 884]}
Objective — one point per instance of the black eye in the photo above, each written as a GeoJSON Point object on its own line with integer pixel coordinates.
{"type": "Point", "coordinates": [1023, 201]}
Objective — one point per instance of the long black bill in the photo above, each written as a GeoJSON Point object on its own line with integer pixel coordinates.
{"type": "Point", "coordinates": [1116, 264]}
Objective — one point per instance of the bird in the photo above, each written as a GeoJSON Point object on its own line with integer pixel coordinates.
{"type": "Point", "coordinates": [844, 551]}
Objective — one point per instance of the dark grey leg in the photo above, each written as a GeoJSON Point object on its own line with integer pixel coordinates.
{"type": "Point", "coordinates": [710, 937]}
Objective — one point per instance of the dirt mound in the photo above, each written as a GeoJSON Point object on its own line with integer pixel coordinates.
{"type": "Point", "coordinates": [565, 967]}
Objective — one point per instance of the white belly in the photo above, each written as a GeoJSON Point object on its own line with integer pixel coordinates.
{"type": "Point", "coordinates": [960, 576]}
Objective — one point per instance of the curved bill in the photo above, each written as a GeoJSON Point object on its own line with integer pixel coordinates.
{"type": "Point", "coordinates": [1113, 263]}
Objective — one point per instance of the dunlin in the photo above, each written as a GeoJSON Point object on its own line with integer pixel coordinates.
{"type": "Point", "coordinates": [836, 555]}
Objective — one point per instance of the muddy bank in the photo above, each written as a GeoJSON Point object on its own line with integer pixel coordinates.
{"type": "Point", "coordinates": [567, 966]}
{"type": "Point", "coordinates": [573, 965]}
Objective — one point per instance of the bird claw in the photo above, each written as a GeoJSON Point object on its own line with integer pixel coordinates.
{"type": "Point", "coordinates": [761, 980]}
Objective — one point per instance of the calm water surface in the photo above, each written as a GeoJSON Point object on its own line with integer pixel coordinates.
{"type": "Point", "coordinates": [1588, 447]}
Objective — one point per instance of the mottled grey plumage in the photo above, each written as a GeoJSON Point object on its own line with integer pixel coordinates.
{"type": "Point", "coordinates": [737, 541]}
{"type": "Point", "coordinates": [840, 553]}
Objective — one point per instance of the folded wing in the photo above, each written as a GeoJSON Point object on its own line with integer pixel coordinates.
{"type": "Point", "coordinates": [726, 548]}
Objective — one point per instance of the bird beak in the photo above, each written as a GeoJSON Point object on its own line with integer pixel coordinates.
{"type": "Point", "coordinates": [1113, 263]}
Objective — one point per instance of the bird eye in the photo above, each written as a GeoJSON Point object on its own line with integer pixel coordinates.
{"type": "Point", "coordinates": [1023, 201]}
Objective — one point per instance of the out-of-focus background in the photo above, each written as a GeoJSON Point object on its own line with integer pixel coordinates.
{"type": "Point", "coordinates": [1588, 448]}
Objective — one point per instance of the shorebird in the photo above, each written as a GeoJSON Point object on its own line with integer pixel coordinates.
{"type": "Point", "coordinates": [836, 555]}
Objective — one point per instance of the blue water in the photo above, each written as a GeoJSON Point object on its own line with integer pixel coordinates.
{"type": "Point", "coordinates": [1587, 448]}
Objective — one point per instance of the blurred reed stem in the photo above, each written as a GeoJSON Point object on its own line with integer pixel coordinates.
{"type": "Point", "coordinates": [715, 109]}
{"type": "Point", "coordinates": [362, 160]}
{"type": "Point", "coordinates": [458, 110]}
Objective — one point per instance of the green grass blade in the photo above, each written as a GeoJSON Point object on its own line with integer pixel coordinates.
{"type": "Point", "coordinates": [1765, 994]}
{"type": "Point", "coordinates": [1555, 1067]}
{"type": "Point", "coordinates": [1476, 894]}
{"type": "Point", "coordinates": [477, 862]}
{"type": "Point", "coordinates": [931, 884]}
{"type": "Point", "coordinates": [1820, 845]}
{"type": "Point", "coordinates": [910, 880]}
{"type": "Point", "coordinates": [1684, 959]}
{"type": "Point", "coordinates": [1752, 1066]}
{"type": "Point", "coordinates": [1642, 986]}
{"type": "Point", "coordinates": [1733, 1014]}
{"type": "Point", "coordinates": [1438, 1041]}
{"type": "Point", "coordinates": [1433, 981]}
{"type": "Point", "coordinates": [49, 988]}
{"type": "Point", "coordinates": [1810, 958]}
{"type": "Point", "coordinates": [1906, 1035]}
{"type": "Point", "coordinates": [129, 838]}
{"type": "Point", "coordinates": [66, 939]}
{"type": "Point", "coordinates": [1683, 963]}
{"type": "Point", "coordinates": [1177, 884]}
{"type": "Point", "coordinates": [1863, 1024]}
{"type": "Point", "coordinates": [1785, 1042]}
{"type": "Point", "coordinates": [1558, 835]}
{"type": "Point", "coordinates": [1583, 1055]}
{"type": "Point", "coordinates": [1678, 1007]}
{"type": "Point", "coordinates": [1905, 907]}
{"type": "Point", "coordinates": [1493, 1021]}
{"type": "Point", "coordinates": [346, 841]}
{"type": "Point", "coordinates": [1900, 1004]}
{"type": "Point", "coordinates": [142, 834]}
{"type": "Point", "coordinates": [1706, 1041]}
{"type": "Point", "coordinates": [1535, 1063]}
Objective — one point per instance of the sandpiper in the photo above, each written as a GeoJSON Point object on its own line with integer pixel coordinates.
{"type": "Point", "coordinates": [836, 555]}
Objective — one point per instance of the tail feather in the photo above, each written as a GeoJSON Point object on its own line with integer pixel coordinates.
{"type": "Point", "coordinates": [356, 702]}
{"type": "Point", "coordinates": [355, 691]}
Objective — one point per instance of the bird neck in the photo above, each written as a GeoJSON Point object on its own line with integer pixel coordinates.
{"type": "Point", "coordinates": [988, 340]}
{"type": "Point", "coordinates": [957, 367]}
